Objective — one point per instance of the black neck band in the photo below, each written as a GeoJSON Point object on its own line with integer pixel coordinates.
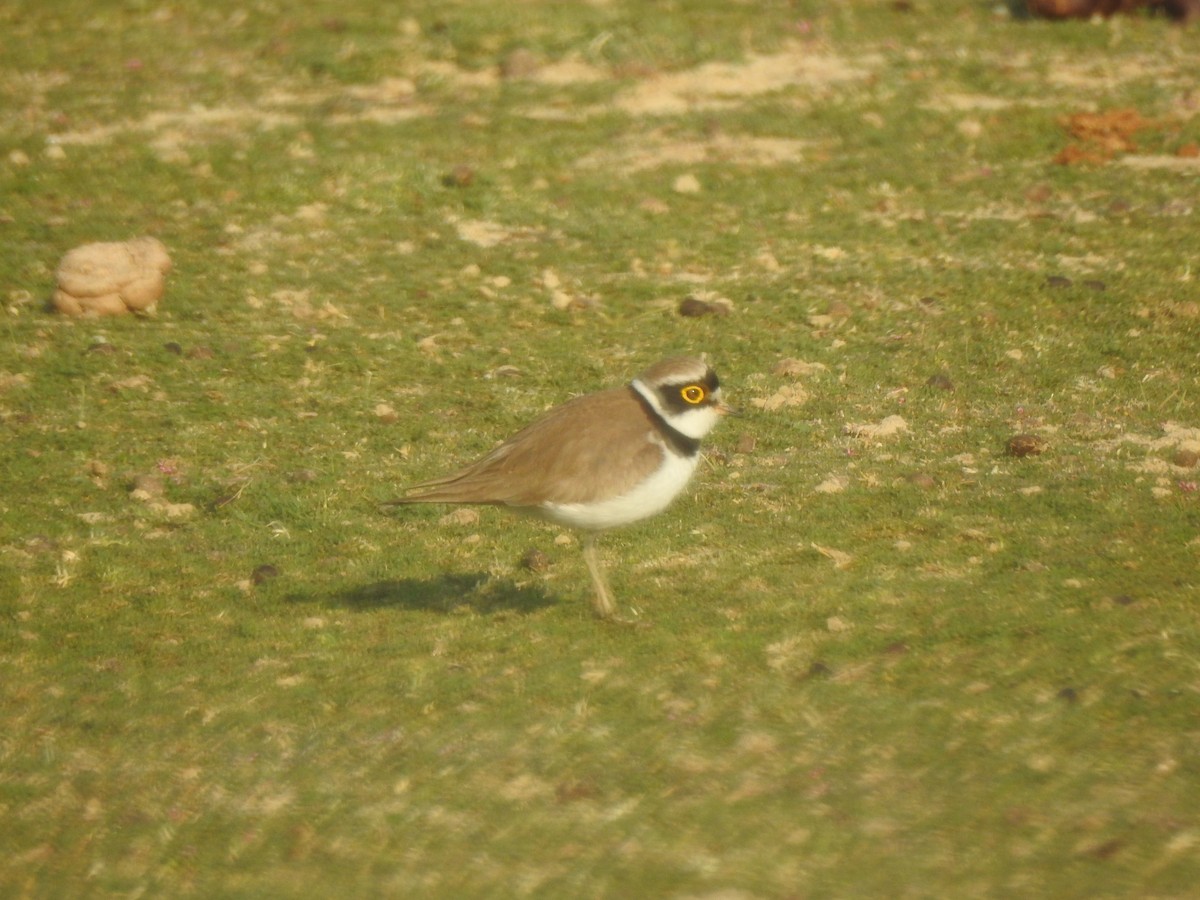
{"type": "Point", "coordinates": [678, 441]}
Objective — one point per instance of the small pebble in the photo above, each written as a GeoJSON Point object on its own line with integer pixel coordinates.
{"type": "Point", "coordinates": [460, 176]}
{"type": "Point", "coordinates": [520, 63]}
{"type": "Point", "coordinates": [818, 669]}
{"type": "Point", "coordinates": [264, 573]}
{"type": "Point", "coordinates": [1185, 459]}
{"type": "Point", "coordinates": [148, 485]}
{"type": "Point", "coordinates": [534, 560]}
{"type": "Point", "coordinates": [694, 307]}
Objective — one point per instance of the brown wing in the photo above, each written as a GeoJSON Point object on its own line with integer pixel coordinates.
{"type": "Point", "coordinates": [590, 448]}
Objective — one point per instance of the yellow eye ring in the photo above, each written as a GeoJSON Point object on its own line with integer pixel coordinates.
{"type": "Point", "coordinates": [693, 394]}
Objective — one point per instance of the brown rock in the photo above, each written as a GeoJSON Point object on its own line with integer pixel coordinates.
{"type": "Point", "coordinates": [694, 307]}
{"type": "Point", "coordinates": [1185, 459]}
{"type": "Point", "coordinates": [535, 560]}
{"type": "Point", "coordinates": [110, 279]}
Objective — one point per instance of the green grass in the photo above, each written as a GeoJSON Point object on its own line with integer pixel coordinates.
{"type": "Point", "coordinates": [963, 674]}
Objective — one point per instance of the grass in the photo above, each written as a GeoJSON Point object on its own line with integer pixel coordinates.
{"type": "Point", "coordinates": [908, 666]}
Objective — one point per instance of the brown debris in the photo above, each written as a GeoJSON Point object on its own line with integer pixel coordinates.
{"type": "Point", "coordinates": [460, 176]}
{"type": "Point", "coordinates": [1079, 9]}
{"type": "Point", "coordinates": [1179, 10]}
{"type": "Point", "coordinates": [1113, 129]}
{"type": "Point", "coordinates": [694, 307]}
{"type": "Point", "coordinates": [264, 573]}
{"type": "Point", "coordinates": [1022, 445]}
{"type": "Point", "coordinates": [1101, 135]}
{"type": "Point", "coordinates": [1074, 155]}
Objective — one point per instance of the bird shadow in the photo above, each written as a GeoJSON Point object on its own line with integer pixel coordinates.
{"type": "Point", "coordinates": [476, 591]}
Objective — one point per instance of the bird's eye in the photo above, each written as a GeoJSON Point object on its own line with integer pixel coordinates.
{"type": "Point", "coordinates": [693, 394]}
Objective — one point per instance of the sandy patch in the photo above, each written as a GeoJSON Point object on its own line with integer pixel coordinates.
{"type": "Point", "coordinates": [976, 103]}
{"type": "Point", "coordinates": [397, 99]}
{"type": "Point", "coordinates": [715, 85]}
{"type": "Point", "coordinates": [569, 71]}
{"type": "Point", "coordinates": [387, 101]}
{"type": "Point", "coordinates": [1173, 163]}
{"type": "Point", "coordinates": [1107, 74]}
{"type": "Point", "coordinates": [648, 151]}
{"type": "Point", "coordinates": [459, 77]}
{"type": "Point", "coordinates": [1174, 437]}
{"type": "Point", "coordinates": [484, 233]}
{"type": "Point", "coordinates": [172, 124]}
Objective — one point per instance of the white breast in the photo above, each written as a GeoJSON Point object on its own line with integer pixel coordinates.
{"type": "Point", "coordinates": [650, 497]}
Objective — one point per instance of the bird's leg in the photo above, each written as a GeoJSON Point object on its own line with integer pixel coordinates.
{"type": "Point", "coordinates": [602, 603]}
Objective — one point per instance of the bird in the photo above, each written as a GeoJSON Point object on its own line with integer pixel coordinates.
{"type": "Point", "coordinates": [598, 461]}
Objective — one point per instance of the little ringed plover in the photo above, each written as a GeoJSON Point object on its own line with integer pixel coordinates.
{"type": "Point", "coordinates": [598, 461]}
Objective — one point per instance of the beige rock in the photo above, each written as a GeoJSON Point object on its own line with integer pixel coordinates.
{"type": "Point", "coordinates": [109, 279]}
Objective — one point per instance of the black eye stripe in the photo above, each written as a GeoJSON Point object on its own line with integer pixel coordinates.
{"type": "Point", "coordinates": [671, 395]}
